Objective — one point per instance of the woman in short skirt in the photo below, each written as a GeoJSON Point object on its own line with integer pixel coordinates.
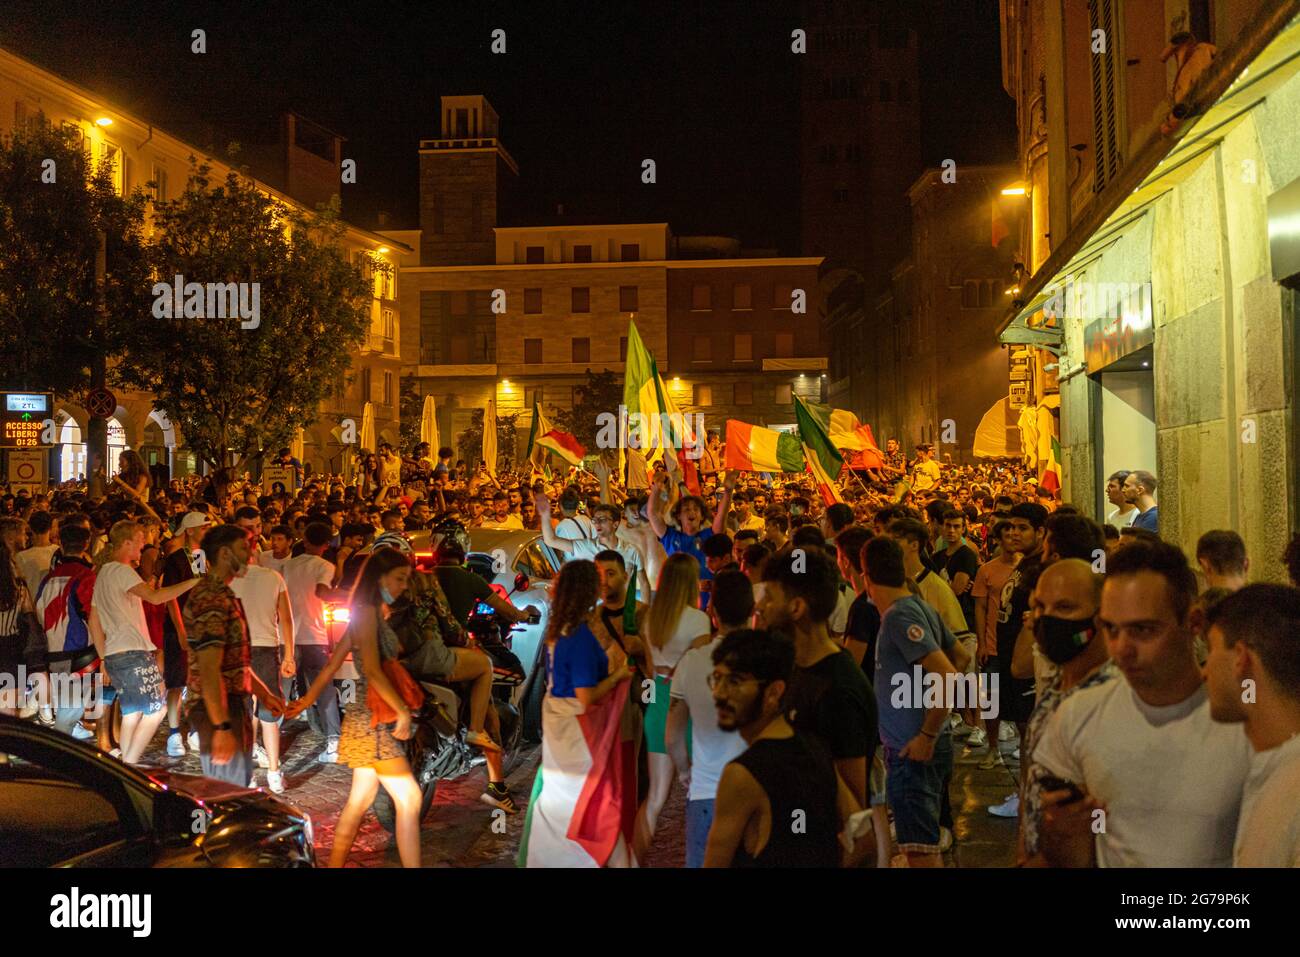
{"type": "Point", "coordinates": [378, 722]}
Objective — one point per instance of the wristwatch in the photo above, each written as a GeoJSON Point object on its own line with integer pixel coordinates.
{"type": "Point", "coordinates": [224, 726]}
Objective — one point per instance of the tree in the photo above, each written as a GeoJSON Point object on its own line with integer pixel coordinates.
{"type": "Point", "coordinates": [602, 394]}
{"type": "Point", "coordinates": [54, 207]}
{"type": "Point", "coordinates": [410, 412]}
{"type": "Point", "coordinates": [470, 442]}
{"type": "Point", "coordinates": [234, 383]}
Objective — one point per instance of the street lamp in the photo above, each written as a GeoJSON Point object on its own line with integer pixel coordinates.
{"type": "Point", "coordinates": [103, 121]}
{"type": "Point", "coordinates": [1015, 189]}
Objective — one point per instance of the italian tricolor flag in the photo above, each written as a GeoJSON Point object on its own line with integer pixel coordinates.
{"type": "Point", "coordinates": [543, 438]}
{"type": "Point", "coordinates": [1049, 445]}
{"type": "Point", "coordinates": [660, 424]}
{"type": "Point", "coordinates": [824, 460]}
{"type": "Point", "coordinates": [752, 448]}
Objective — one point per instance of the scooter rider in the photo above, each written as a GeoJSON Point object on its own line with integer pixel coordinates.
{"type": "Point", "coordinates": [465, 589]}
{"type": "Point", "coordinates": [420, 617]}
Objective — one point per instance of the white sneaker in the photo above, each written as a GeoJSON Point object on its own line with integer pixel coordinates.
{"type": "Point", "coordinates": [116, 753]}
{"type": "Point", "coordinates": [978, 739]}
{"type": "Point", "coordinates": [1006, 731]}
{"type": "Point", "coordinates": [990, 760]}
{"type": "Point", "coordinates": [275, 781]}
{"type": "Point", "coordinates": [1008, 808]}
{"type": "Point", "coordinates": [175, 746]}
{"type": "Point", "coordinates": [82, 733]}
{"type": "Point", "coordinates": [331, 753]}
{"type": "Point", "coordinates": [1016, 754]}
{"type": "Point", "coordinates": [45, 716]}
{"type": "Point", "coordinates": [193, 741]}
{"type": "Point", "coordinates": [260, 756]}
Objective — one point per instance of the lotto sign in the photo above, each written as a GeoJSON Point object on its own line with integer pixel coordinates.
{"type": "Point", "coordinates": [27, 470]}
{"type": "Point", "coordinates": [24, 419]}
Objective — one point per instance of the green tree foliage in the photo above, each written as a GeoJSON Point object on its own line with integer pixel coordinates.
{"type": "Point", "coordinates": [603, 393]}
{"type": "Point", "coordinates": [470, 442]}
{"type": "Point", "coordinates": [235, 391]}
{"type": "Point", "coordinates": [410, 412]}
{"type": "Point", "coordinates": [51, 327]}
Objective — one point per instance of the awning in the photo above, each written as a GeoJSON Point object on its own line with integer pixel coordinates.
{"type": "Point", "coordinates": [994, 438]}
{"type": "Point", "coordinates": [1266, 55]}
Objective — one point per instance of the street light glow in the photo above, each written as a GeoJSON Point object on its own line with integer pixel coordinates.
{"type": "Point", "coordinates": [1017, 189]}
{"type": "Point", "coordinates": [103, 121]}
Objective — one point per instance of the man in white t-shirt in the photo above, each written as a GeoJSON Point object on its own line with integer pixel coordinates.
{"type": "Point", "coordinates": [121, 636]}
{"type": "Point", "coordinates": [281, 549]}
{"type": "Point", "coordinates": [34, 560]}
{"type": "Point", "coordinates": [1146, 778]}
{"type": "Point", "coordinates": [1123, 513]}
{"type": "Point", "coordinates": [573, 525]}
{"type": "Point", "coordinates": [1253, 677]}
{"type": "Point", "coordinates": [309, 579]}
{"type": "Point", "coordinates": [700, 768]}
{"type": "Point", "coordinates": [605, 520]}
{"type": "Point", "coordinates": [265, 598]}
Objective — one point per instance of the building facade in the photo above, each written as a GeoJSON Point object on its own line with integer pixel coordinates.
{"type": "Point", "coordinates": [861, 148]}
{"type": "Point", "coordinates": [1160, 299]}
{"type": "Point", "coordinates": [142, 154]}
{"type": "Point", "coordinates": [524, 313]}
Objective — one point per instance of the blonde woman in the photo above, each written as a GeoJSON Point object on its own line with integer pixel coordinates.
{"type": "Point", "coordinates": [674, 623]}
{"type": "Point", "coordinates": [121, 635]}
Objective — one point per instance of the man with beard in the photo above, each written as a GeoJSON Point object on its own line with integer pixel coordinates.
{"type": "Point", "coordinates": [221, 674]}
{"type": "Point", "coordinates": [783, 775]}
{"type": "Point", "coordinates": [829, 695]}
{"type": "Point", "coordinates": [1064, 604]}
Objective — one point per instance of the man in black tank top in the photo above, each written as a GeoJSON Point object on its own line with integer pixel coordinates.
{"type": "Point", "coordinates": [780, 804]}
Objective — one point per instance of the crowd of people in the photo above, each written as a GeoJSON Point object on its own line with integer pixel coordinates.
{"type": "Point", "coordinates": [731, 634]}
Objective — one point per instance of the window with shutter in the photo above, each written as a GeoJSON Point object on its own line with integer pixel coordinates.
{"type": "Point", "coordinates": [1106, 116]}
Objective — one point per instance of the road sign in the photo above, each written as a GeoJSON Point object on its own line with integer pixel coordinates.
{"type": "Point", "coordinates": [27, 470]}
{"type": "Point", "coordinates": [24, 419]}
{"type": "Point", "coordinates": [101, 403]}
{"type": "Point", "coordinates": [286, 475]}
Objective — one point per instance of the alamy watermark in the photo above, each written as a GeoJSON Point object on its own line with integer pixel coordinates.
{"type": "Point", "coordinates": [65, 689]}
{"type": "Point", "coordinates": [1097, 300]}
{"type": "Point", "coordinates": [928, 689]}
{"type": "Point", "coordinates": [636, 430]}
{"type": "Point", "coordinates": [213, 300]}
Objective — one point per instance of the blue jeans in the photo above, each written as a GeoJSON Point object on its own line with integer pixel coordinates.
{"type": "Point", "coordinates": [312, 660]}
{"type": "Point", "coordinates": [699, 818]}
{"type": "Point", "coordinates": [915, 792]}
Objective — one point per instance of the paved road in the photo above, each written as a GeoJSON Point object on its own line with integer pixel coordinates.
{"type": "Point", "coordinates": [462, 832]}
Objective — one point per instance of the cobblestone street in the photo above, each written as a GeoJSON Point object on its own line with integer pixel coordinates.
{"type": "Point", "coordinates": [459, 829]}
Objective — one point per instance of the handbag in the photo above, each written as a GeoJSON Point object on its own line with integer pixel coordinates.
{"type": "Point", "coordinates": [381, 712]}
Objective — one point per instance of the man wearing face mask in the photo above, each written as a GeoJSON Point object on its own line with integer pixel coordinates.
{"type": "Point", "coordinates": [1063, 604]}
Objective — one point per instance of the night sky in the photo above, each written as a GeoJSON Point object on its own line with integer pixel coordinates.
{"type": "Point", "coordinates": [584, 92]}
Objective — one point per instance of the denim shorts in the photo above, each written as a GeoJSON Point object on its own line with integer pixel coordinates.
{"type": "Point", "coordinates": [699, 819]}
{"type": "Point", "coordinates": [915, 795]}
{"type": "Point", "coordinates": [138, 681]}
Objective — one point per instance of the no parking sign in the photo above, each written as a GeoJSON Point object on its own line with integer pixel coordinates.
{"type": "Point", "coordinates": [27, 470]}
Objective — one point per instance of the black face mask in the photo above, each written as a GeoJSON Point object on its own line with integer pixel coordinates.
{"type": "Point", "coordinates": [1062, 638]}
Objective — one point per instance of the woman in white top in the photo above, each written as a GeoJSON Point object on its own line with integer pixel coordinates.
{"type": "Point", "coordinates": [673, 624]}
{"type": "Point", "coordinates": [121, 635]}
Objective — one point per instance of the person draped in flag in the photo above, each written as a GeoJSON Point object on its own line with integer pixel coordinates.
{"type": "Point", "coordinates": [575, 816]}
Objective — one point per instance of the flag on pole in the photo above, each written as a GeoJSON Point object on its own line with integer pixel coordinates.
{"type": "Point", "coordinates": [543, 438]}
{"type": "Point", "coordinates": [752, 448]}
{"type": "Point", "coordinates": [490, 436]}
{"type": "Point", "coordinates": [814, 433]}
{"type": "Point", "coordinates": [826, 486]}
{"type": "Point", "coordinates": [660, 424]}
{"type": "Point", "coordinates": [1049, 450]}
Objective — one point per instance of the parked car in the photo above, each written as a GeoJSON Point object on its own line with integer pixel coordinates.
{"type": "Point", "coordinates": [64, 803]}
